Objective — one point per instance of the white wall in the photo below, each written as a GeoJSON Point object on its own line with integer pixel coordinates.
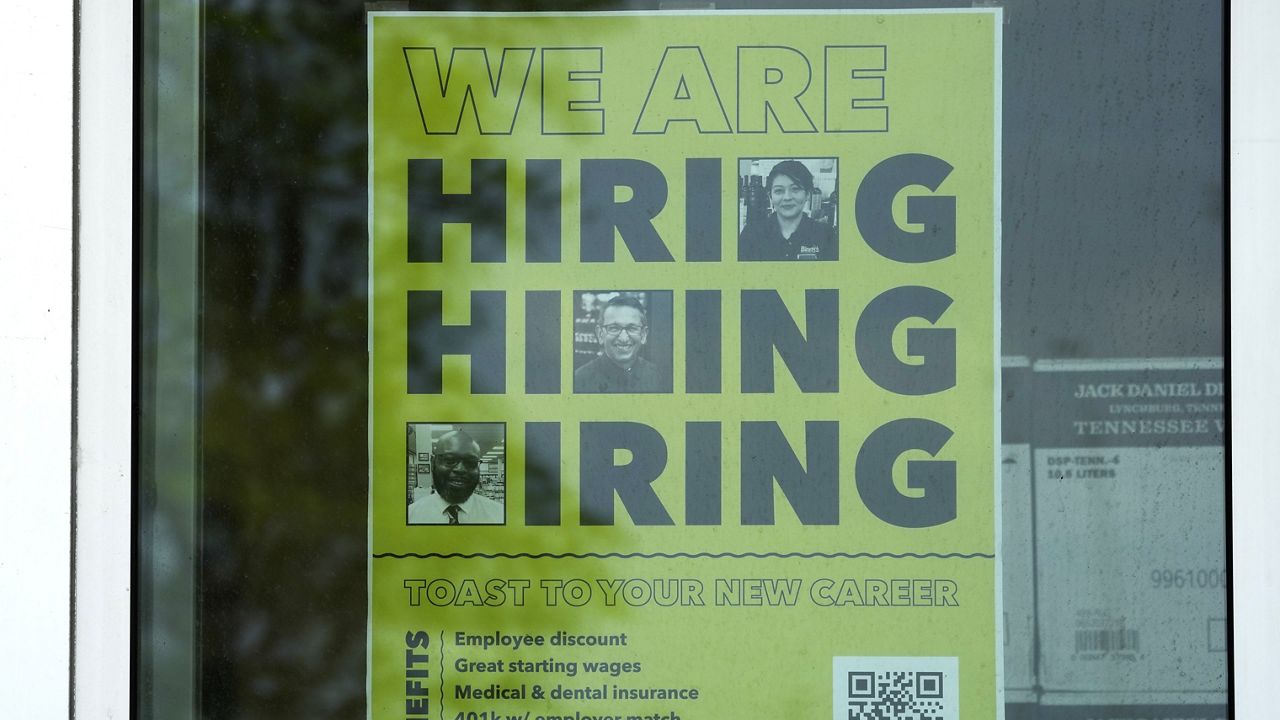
{"type": "Point", "coordinates": [35, 358]}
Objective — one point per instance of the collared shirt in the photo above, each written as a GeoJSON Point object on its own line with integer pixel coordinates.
{"type": "Point", "coordinates": [812, 240]}
{"type": "Point", "coordinates": [431, 509]}
{"type": "Point", "coordinates": [603, 375]}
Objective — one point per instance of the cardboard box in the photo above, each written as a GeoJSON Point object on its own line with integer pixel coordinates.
{"type": "Point", "coordinates": [1017, 577]}
{"type": "Point", "coordinates": [1130, 537]}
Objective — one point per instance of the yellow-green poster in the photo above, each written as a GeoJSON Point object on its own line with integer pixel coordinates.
{"type": "Point", "coordinates": [683, 341]}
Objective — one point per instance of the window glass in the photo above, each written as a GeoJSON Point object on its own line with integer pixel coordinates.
{"type": "Point", "coordinates": [252, 448]}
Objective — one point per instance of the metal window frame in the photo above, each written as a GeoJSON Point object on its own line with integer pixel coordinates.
{"type": "Point", "coordinates": [103, 496]}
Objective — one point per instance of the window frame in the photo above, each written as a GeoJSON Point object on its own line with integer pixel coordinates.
{"type": "Point", "coordinates": [99, 632]}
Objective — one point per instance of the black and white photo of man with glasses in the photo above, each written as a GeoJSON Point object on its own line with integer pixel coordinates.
{"type": "Point", "coordinates": [622, 330]}
{"type": "Point", "coordinates": [455, 475]}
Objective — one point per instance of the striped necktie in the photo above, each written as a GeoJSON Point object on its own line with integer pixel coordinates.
{"type": "Point", "coordinates": [452, 512]}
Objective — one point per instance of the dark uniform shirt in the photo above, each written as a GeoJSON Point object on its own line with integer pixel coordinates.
{"type": "Point", "coordinates": [603, 375]}
{"type": "Point", "coordinates": [812, 240]}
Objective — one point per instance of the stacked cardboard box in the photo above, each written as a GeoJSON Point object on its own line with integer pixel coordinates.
{"type": "Point", "coordinates": [1128, 541]}
{"type": "Point", "coordinates": [1018, 578]}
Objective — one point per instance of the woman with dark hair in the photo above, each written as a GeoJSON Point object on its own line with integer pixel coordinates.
{"type": "Point", "coordinates": [788, 233]}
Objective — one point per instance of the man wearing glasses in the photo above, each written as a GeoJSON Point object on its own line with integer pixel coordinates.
{"type": "Point", "coordinates": [455, 474]}
{"type": "Point", "coordinates": [622, 331]}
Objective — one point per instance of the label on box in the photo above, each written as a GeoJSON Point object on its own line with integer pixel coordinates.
{"type": "Point", "coordinates": [1130, 531]}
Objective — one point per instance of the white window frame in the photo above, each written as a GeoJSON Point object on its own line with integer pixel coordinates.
{"type": "Point", "coordinates": [103, 396]}
{"type": "Point", "coordinates": [1255, 373]}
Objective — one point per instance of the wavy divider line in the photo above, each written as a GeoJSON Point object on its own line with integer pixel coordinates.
{"type": "Point", "coordinates": [674, 556]}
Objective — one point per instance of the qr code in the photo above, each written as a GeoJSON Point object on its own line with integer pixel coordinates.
{"type": "Point", "coordinates": [895, 688]}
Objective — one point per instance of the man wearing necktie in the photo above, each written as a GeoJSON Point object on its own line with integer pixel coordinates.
{"type": "Point", "coordinates": [455, 474]}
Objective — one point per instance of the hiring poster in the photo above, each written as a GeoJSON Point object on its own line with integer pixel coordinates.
{"type": "Point", "coordinates": [683, 365]}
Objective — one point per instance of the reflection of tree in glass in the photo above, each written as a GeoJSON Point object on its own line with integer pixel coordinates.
{"type": "Point", "coordinates": [282, 603]}
{"type": "Point", "coordinates": [1102, 220]}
